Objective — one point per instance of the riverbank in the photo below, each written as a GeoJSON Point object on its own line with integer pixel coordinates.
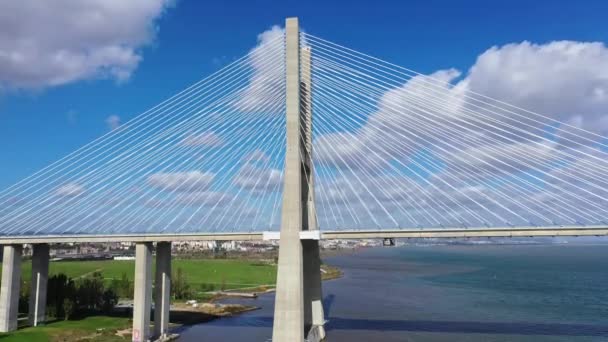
{"type": "Point", "coordinates": [118, 328]}
{"type": "Point", "coordinates": [223, 279]}
{"type": "Point", "coordinates": [89, 329]}
{"type": "Point", "coordinates": [189, 314]}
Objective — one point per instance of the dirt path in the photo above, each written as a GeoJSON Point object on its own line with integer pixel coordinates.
{"type": "Point", "coordinates": [89, 273]}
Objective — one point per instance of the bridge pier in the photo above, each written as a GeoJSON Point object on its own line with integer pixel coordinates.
{"type": "Point", "coordinates": [289, 303]}
{"type": "Point", "coordinates": [314, 317]}
{"type": "Point", "coordinates": [39, 282]}
{"type": "Point", "coordinates": [142, 297]}
{"type": "Point", "coordinates": [298, 309]}
{"type": "Point", "coordinates": [162, 289]}
{"type": "Point", "coordinates": [9, 289]}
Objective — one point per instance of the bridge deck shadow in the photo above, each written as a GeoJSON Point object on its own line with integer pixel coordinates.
{"type": "Point", "coordinates": [469, 327]}
{"type": "Point", "coordinates": [458, 327]}
{"type": "Point", "coordinates": [431, 326]}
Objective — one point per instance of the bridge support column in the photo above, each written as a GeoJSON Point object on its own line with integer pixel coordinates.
{"type": "Point", "coordinates": [142, 297]}
{"type": "Point", "coordinates": [38, 289]}
{"type": "Point", "coordinates": [162, 289]}
{"type": "Point", "coordinates": [9, 290]}
{"type": "Point", "coordinates": [289, 303]}
{"type": "Point", "coordinates": [298, 305]}
{"type": "Point", "coordinates": [313, 294]}
{"type": "Point", "coordinates": [314, 318]}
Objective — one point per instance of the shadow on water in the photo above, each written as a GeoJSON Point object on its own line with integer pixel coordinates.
{"type": "Point", "coordinates": [513, 328]}
{"type": "Point", "coordinates": [327, 303]}
{"type": "Point", "coordinates": [429, 326]}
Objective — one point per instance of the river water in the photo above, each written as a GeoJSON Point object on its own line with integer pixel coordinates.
{"type": "Point", "coordinates": [451, 293]}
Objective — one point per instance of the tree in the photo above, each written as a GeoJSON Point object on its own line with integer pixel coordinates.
{"type": "Point", "coordinates": [59, 288]}
{"type": "Point", "coordinates": [90, 292]}
{"type": "Point", "coordinates": [110, 299]}
{"type": "Point", "coordinates": [24, 297]}
{"type": "Point", "coordinates": [180, 286]}
{"type": "Point", "coordinates": [69, 307]}
{"type": "Point", "coordinates": [66, 297]}
{"type": "Point", "coordinates": [123, 287]}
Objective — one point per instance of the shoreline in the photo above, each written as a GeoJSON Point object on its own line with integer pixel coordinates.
{"type": "Point", "coordinates": [183, 315]}
{"type": "Point", "coordinates": [213, 310]}
{"type": "Point", "coordinates": [204, 309]}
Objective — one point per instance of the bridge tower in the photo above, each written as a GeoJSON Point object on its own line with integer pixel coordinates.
{"type": "Point", "coordinates": [298, 307]}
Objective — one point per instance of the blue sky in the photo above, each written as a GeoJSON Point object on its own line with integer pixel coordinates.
{"type": "Point", "coordinates": [196, 38]}
{"type": "Point", "coordinates": [48, 111]}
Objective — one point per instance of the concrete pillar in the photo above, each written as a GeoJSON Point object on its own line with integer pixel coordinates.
{"type": "Point", "coordinates": [314, 318]}
{"type": "Point", "coordinates": [313, 294]}
{"type": "Point", "coordinates": [38, 288]}
{"type": "Point", "coordinates": [9, 291]}
{"type": "Point", "coordinates": [162, 289]}
{"type": "Point", "coordinates": [142, 297]}
{"type": "Point", "coordinates": [289, 304]}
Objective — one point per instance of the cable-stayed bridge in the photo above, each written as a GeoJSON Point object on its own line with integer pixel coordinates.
{"type": "Point", "coordinates": [303, 139]}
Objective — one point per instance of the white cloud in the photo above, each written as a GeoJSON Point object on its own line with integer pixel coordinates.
{"type": "Point", "coordinates": [208, 139]}
{"type": "Point", "coordinates": [257, 180]}
{"type": "Point", "coordinates": [207, 198]}
{"type": "Point", "coordinates": [256, 156]}
{"type": "Point", "coordinates": [50, 43]}
{"type": "Point", "coordinates": [196, 198]}
{"type": "Point", "coordinates": [388, 132]}
{"type": "Point", "coordinates": [514, 157]}
{"type": "Point", "coordinates": [182, 181]}
{"type": "Point", "coordinates": [351, 151]}
{"type": "Point", "coordinates": [566, 80]}
{"type": "Point", "coordinates": [415, 126]}
{"type": "Point", "coordinates": [113, 122]}
{"type": "Point", "coordinates": [267, 62]}
{"type": "Point", "coordinates": [70, 190]}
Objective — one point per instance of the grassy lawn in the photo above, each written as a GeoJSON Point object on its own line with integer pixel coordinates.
{"type": "Point", "coordinates": [78, 330]}
{"type": "Point", "coordinates": [213, 272]}
{"type": "Point", "coordinates": [233, 273]}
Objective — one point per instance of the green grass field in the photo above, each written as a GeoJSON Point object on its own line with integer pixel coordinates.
{"type": "Point", "coordinates": [233, 273]}
{"type": "Point", "coordinates": [84, 329]}
{"type": "Point", "coordinates": [212, 272]}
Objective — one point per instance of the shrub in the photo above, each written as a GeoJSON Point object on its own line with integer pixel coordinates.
{"type": "Point", "coordinates": [69, 308]}
{"type": "Point", "coordinates": [180, 288]}
{"type": "Point", "coordinates": [66, 297]}
{"type": "Point", "coordinates": [110, 299]}
{"type": "Point", "coordinates": [59, 288]}
{"type": "Point", "coordinates": [123, 287]}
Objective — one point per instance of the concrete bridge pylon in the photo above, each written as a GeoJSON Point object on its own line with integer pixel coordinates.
{"type": "Point", "coordinates": [298, 311]}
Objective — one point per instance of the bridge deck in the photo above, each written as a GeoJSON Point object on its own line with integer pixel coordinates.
{"type": "Point", "coordinates": [342, 234]}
